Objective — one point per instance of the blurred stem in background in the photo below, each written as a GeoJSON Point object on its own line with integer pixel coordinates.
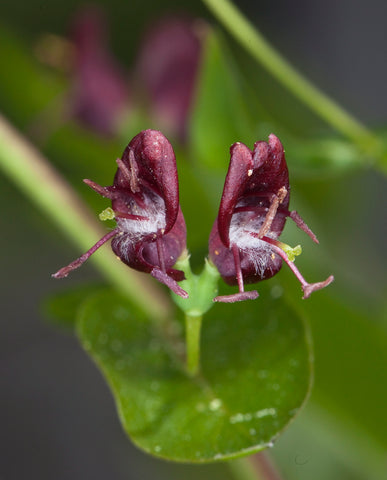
{"type": "Point", "coordinates": [255, 467]}
{"type": "Point", "coordinates": [253, 41]}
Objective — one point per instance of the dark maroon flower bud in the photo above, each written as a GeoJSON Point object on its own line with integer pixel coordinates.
{"type": "Point", "coordinates": [150, 233]}
{"type": "Point", "coordinates": [100, 90]}
{"type": "Point", "coordinates": [167, 66]}
{"type": "Point", "coordinates": [254, 206]}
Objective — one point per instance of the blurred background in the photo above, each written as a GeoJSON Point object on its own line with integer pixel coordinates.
{"type": "Point", "coordinates": [57, 416]}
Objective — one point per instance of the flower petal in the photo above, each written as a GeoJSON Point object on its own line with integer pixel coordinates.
{"type": "Point", "coordinates": [241, 164]}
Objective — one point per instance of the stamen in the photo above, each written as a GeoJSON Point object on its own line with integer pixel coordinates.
{"type": "Point", "coordinates": [129, 216]}
{"type": "Point", "coordinates": [63, 272]}
{"type": "Point", "coordinates": [308, 288]}
{"type": "Point", "coordinates": [291, 252]}
{"type": "Point", "coordinates": [249, 208]}
{"type": "Point", "coordinates": [116, 193]}
{"type": "Point", "coordinates": [169, 282]}
{"type": "Point", "coordinates": [242, 295]}
{"type": "Point", "coordinates": [237, 262]}
{"type": "Point", "coordinates": [131, 175]}
{"type": "Point", "coordinates": [276, 201]}
{"type": "Point", "coordinates": [104, 191]}
{"type": "Point", "coordinates": [302, 225]}
{"type": "Point", "coordinates": [160, 253]}
{"type": "Point", "coordinates": [237, 297]}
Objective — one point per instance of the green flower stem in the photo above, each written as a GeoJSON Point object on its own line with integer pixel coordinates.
{"type": "Point", "coordinates": [242, 469]}
{"type": "Point", "coordinates": [193, 324]}
{"type": "Point", "coordinates": [201, 289]}
{"type": "Point", "coordinates": [253, 41]}
{"type": "Point", "coordinates": [38, 180]}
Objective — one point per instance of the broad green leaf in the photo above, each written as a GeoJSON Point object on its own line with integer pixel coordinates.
{"type": "Point", "coordinates": [256, 374]}
{"type": "Point", "coordinates": [322, 157]}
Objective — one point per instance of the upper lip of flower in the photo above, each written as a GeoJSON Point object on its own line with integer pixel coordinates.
{"type": "Point", "coordinates": [251, 181]}
{"type": "Point", "coordinates": [151, 166]}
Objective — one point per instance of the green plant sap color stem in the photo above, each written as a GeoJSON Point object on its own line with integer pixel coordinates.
{"type": "Point", "coordinates": [192, 336]}
{"type": "Point", "coordinates": [253, 41]}
{"type": "Point", "coordinates": [202, 289]}
{"type": "Point", "coordinates": [33, 174]}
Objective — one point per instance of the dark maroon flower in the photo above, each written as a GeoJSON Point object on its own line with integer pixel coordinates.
{"type": "Point", "coordinates": [254, 206]}
{"type": "Point", "coordinates": [150, 233]}
{"type": "Point", "coordinates": [167, 67]}
{"type": "Point", "coordinates": [100, 90]}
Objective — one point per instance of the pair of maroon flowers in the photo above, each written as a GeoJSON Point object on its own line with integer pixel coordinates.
{"type": "Point", "coordinates": [151, 234]}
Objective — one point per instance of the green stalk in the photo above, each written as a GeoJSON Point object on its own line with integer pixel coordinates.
{"type": "Point", "coordinates": [254, 42]}
{"type": "Point", "coordinates": [242, 470]}
{"type": "Point", "coordinates": [39, 181]}
{"type": "Point", "coordinates": [193, 324]}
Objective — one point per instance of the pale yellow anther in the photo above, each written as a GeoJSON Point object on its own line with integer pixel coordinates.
{"type": "Point", "coordinates": [291, 253]}
{"type": "Point", "coordinates": [107, 214]}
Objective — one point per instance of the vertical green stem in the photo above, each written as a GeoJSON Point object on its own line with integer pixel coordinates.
{"type": "Point", "coordinates": [254, 42]}
{"type": "Point", "coordinates": [243, 470]}
{"type": "Point", "coordinates": [193, 324]}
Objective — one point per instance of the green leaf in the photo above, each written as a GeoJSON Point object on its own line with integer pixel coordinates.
{"type": "Point", "coordinates": [61, 308]}
{"type": "Point", "coordinates": [382, 164]}
{"type": "Point", "coordinates": [351, 346]}
{"type": "Point", "coordinates": [220, 116]}
{"type": "Point", "coordinates": [256, 374]}
{"type": "Point", "coordinates": [230, 107]}
{"type": "Point", "coordinates": [27, 87]}
{"type": "Point", "coordinates": [348, 403]}
{"type": "Point", "coordinates": [322, 157]}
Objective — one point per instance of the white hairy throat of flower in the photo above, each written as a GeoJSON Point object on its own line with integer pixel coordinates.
{"type": "Point", "coordinates": [154, 211]}
{"type": "Point", "coordinates": [259, 252]}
